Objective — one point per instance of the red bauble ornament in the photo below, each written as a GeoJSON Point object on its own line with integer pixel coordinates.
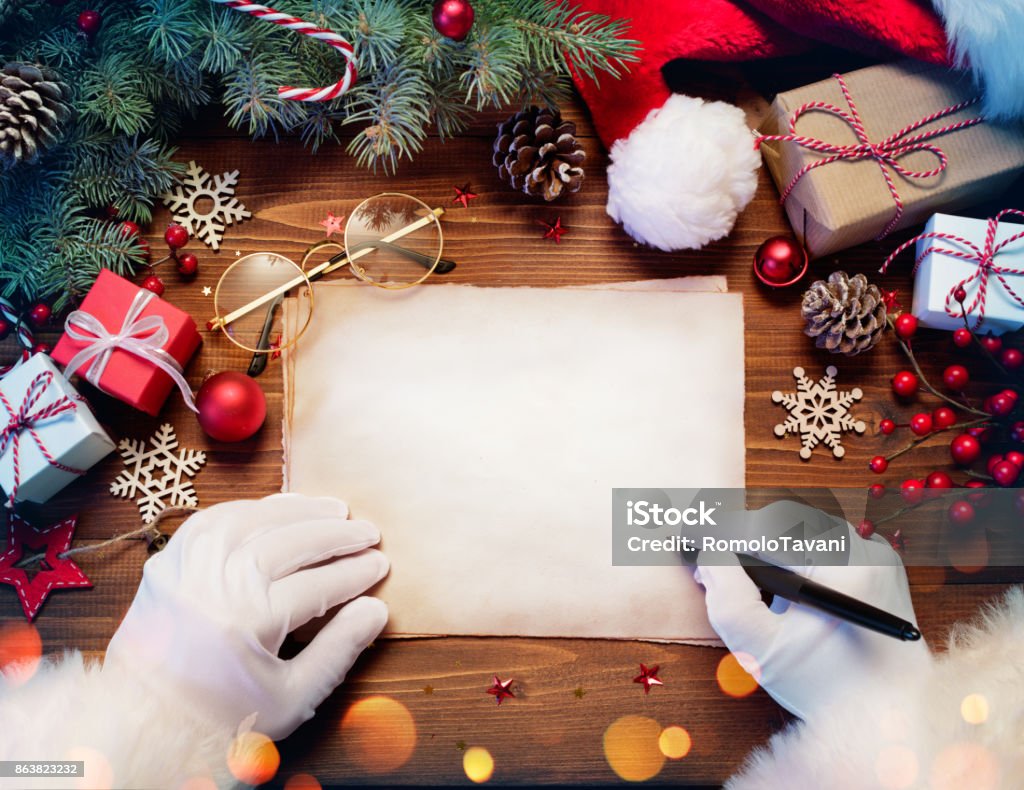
{"type": "Point", "coordinates": [878, 464]}
{"type": "Point", "coordinates": [921, 424]}
{"type": "Point", "coordinates": [961, 512]}
{"type": "Point", "coordinates": [992, 344]}
{"type": "Point", "coordinates": [1005, 473]}
{"type": "Point", "coordinates": [965, 449]}
{"type": "Point", "coordinates": [188, 264]}
{"type": "Point", "coordinates": [40, 314]}
{"type": "Point", "coordinates": [912, 491]}
{"type": "Point", "coordinates": [962, 338]}
{"type": "Point", "coordinates": [943, 417]}
{"type": "Point", "coordinates": [956, 377]}
{"type": "Point", "coordinates": [904, 383]}
{"type": "Point", "coordinates": [1011, 358]}
{"type": "Point", "coordinates": [129, 228]}
{"type": "Point", "coordinates": [232, 407]}
{"type": "Point", "coordinates": [887, 426]}
{"type": "Point", "coordinates": [176, 236]}
{"type": "Point", "coordinates": [154, 284]}
{"type": "Point", "coordinates": [89, 22]}
{"type": "Point", "coordinates": [876, 491]}
{"type": "Point", "coordinates": [453, 18]}
{"type": "Point", "coordinates": [866, 528]}
{"type": "Point", "coordinates": [906, 325]}
{"type": "Point", "coordinates": [938, 480]}
{"type": "Point", "coordinates": [780, 261]}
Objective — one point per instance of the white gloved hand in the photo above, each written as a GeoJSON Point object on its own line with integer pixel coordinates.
{"type": "Point", "coordinates": [216, 604]}
{"type": "Point", "coordinates": [803, 658]}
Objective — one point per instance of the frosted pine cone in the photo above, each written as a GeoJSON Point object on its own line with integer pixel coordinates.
{"type": "Point", "coordinates": [844, 314]}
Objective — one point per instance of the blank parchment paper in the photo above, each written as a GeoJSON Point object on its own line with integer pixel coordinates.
{"type": "Point", "coordinates": [482, 429]}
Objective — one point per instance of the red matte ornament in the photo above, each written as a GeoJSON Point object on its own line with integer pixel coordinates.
{"type": "Point", "coordinates": [232, 407]}
{"type": "Point", "coordinates": [780, 261]}
{"type": "Point", "coordinates": [56, 573]}
{"type": "Point", "coordinates": [453, 18]}
{"type": "Point", "coordinates": [501, 689]}
{"type": "Point", "coordinates": [649, 677]}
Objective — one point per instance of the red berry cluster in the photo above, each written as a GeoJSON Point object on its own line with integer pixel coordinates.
{"type": "Point", "coordinates": [176, 237]}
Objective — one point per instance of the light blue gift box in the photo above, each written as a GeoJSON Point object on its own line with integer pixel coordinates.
{"type": "Point", "coordinates": [939, 273]}
{"type": "Point", "coordinates": [73, 438]}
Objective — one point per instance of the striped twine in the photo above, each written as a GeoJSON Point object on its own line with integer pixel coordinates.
{"type": "Point", "coordinates": [886, 153]}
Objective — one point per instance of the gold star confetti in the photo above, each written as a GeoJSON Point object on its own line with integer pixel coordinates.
{"type": "Point", "coordinates": [578, 692]}
{"type": "Point", "coordinates": [428, 690]}
{"type": "Point", "coordinates": [238, 253]}
{"type": "Point", "coordinates": [207, 290]}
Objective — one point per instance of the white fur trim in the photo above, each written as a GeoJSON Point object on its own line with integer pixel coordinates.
{"type": "Point", "coordinates": [913, 728]}
{"type": "Point", "coordinates": [989, 37]}
{"type": "Point", "coordinates": [127, 737]}
{"type": "Point", "coordinates": [681, 177]}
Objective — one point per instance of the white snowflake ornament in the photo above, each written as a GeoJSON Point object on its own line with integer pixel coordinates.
{"type": "Point", "coordinates": [818, 412]}
{"type": "Point", "coordinates": [225, 209]}
{"type": "Point", "coordinates": [160, 477]}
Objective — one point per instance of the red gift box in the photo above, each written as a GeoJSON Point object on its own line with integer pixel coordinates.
{"type": "Point", "coordinates": [127, 376]}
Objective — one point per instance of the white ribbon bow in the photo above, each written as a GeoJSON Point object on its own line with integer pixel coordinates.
{"type": "Point", "coordinates": [143, 337]}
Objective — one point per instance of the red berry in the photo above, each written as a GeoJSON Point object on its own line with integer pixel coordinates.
{"type": "Point", "coordinates": [961, 512]}
{"type": "Point", "coordinates": [154, 284]}
{"type": "Point", "coordinates": [912, 491]}
{"type": "Point", "coordinates": [146, 251]}
{"type": "Point", "coordinates": [943, 417]}
{"type": "Point", "coordinates": [992, 344]}
{"type": "Point", "coordinates": [992, 461]}
{"type": "Point", "coordinates": [1017, 431]}
{"type": "Point", "coordinates": [962, 337]}
{"type": "Point", "coordinates": [89, 22]}
{"type": "Point", "coordinates": [129, 228]}
{"type": "Point", "coordinates": [878, 464]}
{"type": "Point", "coordinates": [906, 325]}
{"type": "Point", "coordinates": [1011, 358]}
{"type": "Point", "coordinates": [956, 377]}
{"type": "Point", "coordinates": [938, 480]}
{"type": "Point", "coordinates": [40, 314]}
{"type": "Point", "coordinates": [960, 294]}
{"type": "Point", "coordinates": [979, 498]}
{"type": "Point", "coordinates": [904, 383]}
{"type": "Point", "coordinates": [1015, 457]}
{"type": "Point", "coordinates": [1005, 473]}
{"type": "Point", "coordinates": [981, 432]}
{"type": "Point", "coordinates": [866, 528]}
{"type": "Point", "coordinates": [176, 236]}
{"type": "Point", "coordinates": [965, 449]}
{"type": "Point", "coordinates": [1011, 394]}
{"type": "Point", "coordinates": [41, 348]}
{"type": "Point", "coordinates": [921, 424]}
{"type": "Point", "coordinates": [5, 328]}
{"type": "Point", "coordinates": [876, 491]}
{"type": "Point", "coordinates": [1000, 405]}
{"type": "Point", "coordinates": [188, 264]}
{"type": "Point", "coordinates": [887, 426]}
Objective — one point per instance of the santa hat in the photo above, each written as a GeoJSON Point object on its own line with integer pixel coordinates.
{"type": "Point", "coordinates": [682, 169]}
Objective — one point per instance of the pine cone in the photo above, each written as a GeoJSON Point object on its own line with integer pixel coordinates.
{"type": "Point", "coordinates": [33, 106]}
{"type": "Point", "coordinates": [844, 314]}
{"type": "Point", "coordinates": [537, 152]}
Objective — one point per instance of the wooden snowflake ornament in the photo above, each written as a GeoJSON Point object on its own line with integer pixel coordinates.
{"type": "Point", "coordinates": [159, 477]}
{"type": "Point", "coordinates": [207, 225]}
{"type": "Point", "coordinates": [818, 412]}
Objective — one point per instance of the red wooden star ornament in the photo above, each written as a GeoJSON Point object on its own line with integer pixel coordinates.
{"type": "Point", "coordinates": [554, 230]}
{"type": "Point", "coordinates": [649, 677]}
{"type": "Point", "coordinates": [463, 196]}
{"type": "Point", "coordinates": [501, 689]}
{"type": "Point", "coordinates": [55, 573]}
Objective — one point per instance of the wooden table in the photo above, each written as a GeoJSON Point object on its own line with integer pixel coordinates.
{"type": "Point", "coordinates": [547, 734]}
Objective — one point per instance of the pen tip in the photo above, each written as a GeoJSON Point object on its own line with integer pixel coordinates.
{"type": "Point", "coordinates": [911, 634]}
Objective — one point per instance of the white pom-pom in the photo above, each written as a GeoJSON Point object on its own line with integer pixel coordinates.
{"type": "Point", "coordinates": [681, 177]}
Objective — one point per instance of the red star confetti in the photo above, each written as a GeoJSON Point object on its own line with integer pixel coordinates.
{"type": "Point", "coordinates": [501, 689]}
{"type": "Point", "coordinates": [891, 299]}
{"type": "Point", "coordinates": [554, 230]}
{"type": "Point", "coordinates": [333, 224]}
{"type": "Point", "coordinates": [649, 677]}
{"type": "Point", "coordinates": [463, 196]}
{"type": "Point", "coordinates": [54, 571]}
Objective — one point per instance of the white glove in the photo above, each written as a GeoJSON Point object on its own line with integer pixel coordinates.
{"type": "Point", "coordinates": [215, 605]}
{"type": "Point", "coordinates": [805, 659]}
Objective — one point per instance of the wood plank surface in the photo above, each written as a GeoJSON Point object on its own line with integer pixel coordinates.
{"type": "Point", "coordinates": [547, 734]}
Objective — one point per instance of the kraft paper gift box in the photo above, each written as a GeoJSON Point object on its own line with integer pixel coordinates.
{"type": "Point", "coordinates": [72, 436]}
{"type": "Point", "coordinates": [848, 202]}
{"type": "Point", "coordinates": [938, 274]}
{"type": "Point", "coordinates": [131, 378]}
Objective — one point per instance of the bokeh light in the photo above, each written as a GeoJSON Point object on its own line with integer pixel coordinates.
{"type": "Point", "coordinates": [974, 709]}
{"type": "Point", "coordinates": [97, 773]}
{"type": "Point", "coordinates": [675, 742]}
{"type": "Point", "coordinates": [302, 782]}
{"type": "Point", "coordinates": [198, 783]}
{"type": "Point", "coordinates": [378, 734]}
{"type": "Point", "coordinates": [896, 767]}
{"type": "Point", "coordinates": [733, 679]}
{"type": "Point", "coordinates": [478, 764]}
{"type": "Point", "coordinates": [21, 650]}
{"type": "Point", "coordinates": [253, 758]}
{"type": "Point", "coordinates": [631, 748]}
{"type": "Point", "coordinates": [965, 764]}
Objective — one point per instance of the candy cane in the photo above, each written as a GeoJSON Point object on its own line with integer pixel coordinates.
{"type": "Point", "coordinates": [307, 29]}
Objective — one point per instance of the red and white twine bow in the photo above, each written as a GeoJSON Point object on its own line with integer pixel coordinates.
{"type": "Point", "coordinates": [307, 29]}
{"type": "Point", "coordinates": [886, 153]}
{"type": "Point", "coordinates": [25, 419]}
{"type": "Point", "coordinates": [983, 257]}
